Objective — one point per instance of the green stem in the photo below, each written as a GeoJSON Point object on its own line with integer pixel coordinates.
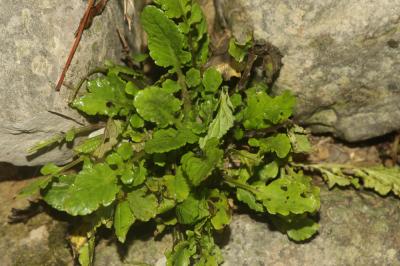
{"type": "Point", "coordinates": [58, 138]}
{"type": "Point", "coordinates": [45, 143]}
{"type": "Point", "coordinates": [187, 104]}
{"type": "Point", "coordinates": [191, 47]}
{"type": "Point", "coordinates": [163, 78]}
{"type": "Point", "coordinates": [66, 167]}
{"type": "Point", "coordinates": [324, 166]}
{"type": "Point", "coordinates": [240, 185]}
{"type": "Point", "coordinates": [71, 164]}
{"type": "Point", "coordinates": [88, 128]}
{"type": "Point", "coordinates": [85, 78]}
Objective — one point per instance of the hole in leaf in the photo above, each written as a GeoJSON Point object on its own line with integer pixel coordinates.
{"type": "Point", "coordinates": [109, 104]}
{"type": "Point", "coordinates": [284, 188]}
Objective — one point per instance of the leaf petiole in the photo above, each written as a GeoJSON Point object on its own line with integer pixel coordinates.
{"type": "Point", "coordinates": [187, 104]}
{"type": "Point", "coordinates": [236, 183]}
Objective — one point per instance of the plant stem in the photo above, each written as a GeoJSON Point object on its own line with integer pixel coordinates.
{"type": "Point", "coordinates": [329, 168]}
{"type": "Point", "coordinates": [240, 185]}
{"type": "Point", "coordinates": [85, 78]}
{"type": "Point", "coordinates": [163, 78]}
{"type": "Point", "coordinates": [324, 166]}
{"type": "Point", "coordinates": [189, 35]}
{"type": "Point", "coordinates": [88, 128]}
{"type": "Point", "coordinates": [58, 138]}
{"type": "Point", "coordinates": [71, 164]}
{"type": "Point", "coordinates": [187, 104]}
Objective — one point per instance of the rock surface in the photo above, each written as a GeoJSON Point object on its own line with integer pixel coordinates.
{"type": "Point", "coordinates": [36, 39]}
{"type": "Point", "coordinates": [39, 242]}
{"type": "Point", "coordinates": [356, 229]}
{"type": "Point", "coordinates": [341, 58]}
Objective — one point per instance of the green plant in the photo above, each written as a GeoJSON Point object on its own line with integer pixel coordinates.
{"type": "Point", "coordinates": [177, 151]}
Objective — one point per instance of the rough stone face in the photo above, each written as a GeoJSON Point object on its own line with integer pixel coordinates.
{"type": "Point", "coordinates": [36, 37]}
{"type": "Point", "coordinates": [341, 58]}
{"type": "Point", "coordinates": [356, 229]}
{"type": "Point", "coordinates": [39, 242]}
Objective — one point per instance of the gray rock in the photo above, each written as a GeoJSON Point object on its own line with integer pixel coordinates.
{"type": "Point", "coordinates": [341, 59]}
{"type": "Point", "coordinates": [357, 228]}
{"type": "Point", "coordinates": [39, 242]}
{"type": "Point", "coordinates": [36, 39]}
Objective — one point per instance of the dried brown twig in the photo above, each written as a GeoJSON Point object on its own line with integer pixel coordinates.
{"type": "Point", "coordinates": [91, 11]}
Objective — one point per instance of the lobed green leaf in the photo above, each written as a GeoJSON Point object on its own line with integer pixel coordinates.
{"type": "Point", "coordinates": [249, 198]}
{"type": "Point", "coordinates": [180, 255]}
{"type": "Point", "coordinates": [143, 206]}
{"type": "Point", "coordinates": [177, 187]}
{"type": "Point", "coordinates": [125, 150]}
{"type": "Point", "coordinates": [222, 122]}
{"type": "Point", "coordinates": [164, 39]}
{"type": "Point", "coordinates": [193, 77]}
{"type": "Point", "coordinates": [292, 194]}
{"type": "Point", "coordinates": [381, 179]}
{"type": "Point", "coordinates": [212, 79]}
{"type": "Point", "coordinates": [123, 220]}
{"type": "Point", "coordinates": [193, 209]}
{"type": "Point", "coordinates": [222, 213]}
{"type": "Point", "coordinates": [106, 96]}
{"type": "Point", "coordinates": [34, 187]}
{"type": "Point", "coordinates": [157, 105]}
{"type": "Point", "coordinates": [171, 86]}
{"type": "Point", "coordinates": [262, 111]}
{"type": "Point", "coordinates": [299, 139]}
{"type": "Point", "coordinates": [237, 51]}
{"type": "Point", "coordinates": [84, 193]}
{"type": "Point", "coordinates": [198, 169]}
{"type": "Point", "coordinates": [166, 140]}
{"type": "Point", "coordinates": [269, 171]}
{"type": "Point", "coordinates": [174, 8]}
{"type": "Point", "coordinates": [136, 121]}
{"type": "Point", "coordinates": [279, 144]}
